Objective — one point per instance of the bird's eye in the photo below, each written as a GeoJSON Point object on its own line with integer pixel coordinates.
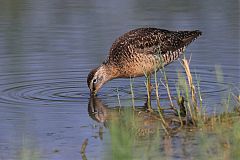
{"type": "Point", "coordinates": [95, 80]}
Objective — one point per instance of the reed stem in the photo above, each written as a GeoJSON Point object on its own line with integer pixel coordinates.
{"type": "Point", "coordinates": [132, 93]}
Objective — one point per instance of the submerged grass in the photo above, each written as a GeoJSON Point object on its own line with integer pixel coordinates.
{"type": "Point", "coordinates": [128, 130]}
{"type": "Point", "coordinates": [218, 139]}
{"type": "Point", "coordinates": [122, 136]}
{"type": "Point", "coordinates": [28, 151]}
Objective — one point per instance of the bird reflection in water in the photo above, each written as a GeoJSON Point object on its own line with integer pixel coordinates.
{"type": "Point", "coordinates": [97, 110]}
{"type": "Point", "coordinates": [147, 123]}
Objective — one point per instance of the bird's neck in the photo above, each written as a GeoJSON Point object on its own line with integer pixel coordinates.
{"type": "Point", "coordinates": [109, 71]}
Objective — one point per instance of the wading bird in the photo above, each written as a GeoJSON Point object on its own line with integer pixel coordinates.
{"type": "Point", "coordinates": [140, 52]}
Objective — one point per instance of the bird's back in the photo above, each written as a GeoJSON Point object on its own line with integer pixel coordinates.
{"type": "Point", "coordinates": [142, 49]}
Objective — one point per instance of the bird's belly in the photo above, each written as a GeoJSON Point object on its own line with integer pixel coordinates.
{"type": "Point", "coordinates": [141, 65]}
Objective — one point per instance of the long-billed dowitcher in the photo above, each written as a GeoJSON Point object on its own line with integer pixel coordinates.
{"type": "Point", "coordinates": [140, 52]}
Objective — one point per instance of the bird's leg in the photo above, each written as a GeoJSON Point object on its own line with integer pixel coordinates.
{"type": "Point", "coordinates": [149, 90]}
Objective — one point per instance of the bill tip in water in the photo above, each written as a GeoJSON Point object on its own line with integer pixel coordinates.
{"type": "Point", "coordinates": [92, 93]}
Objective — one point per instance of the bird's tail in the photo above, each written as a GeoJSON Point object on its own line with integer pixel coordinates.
{"type": "Point", "coordinates": [188, 36]}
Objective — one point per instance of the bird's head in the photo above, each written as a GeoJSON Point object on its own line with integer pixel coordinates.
{"type": "Point", "coordinates": [97, 78]}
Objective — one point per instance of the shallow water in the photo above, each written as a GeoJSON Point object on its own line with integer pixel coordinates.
{"type": "Point", "coordinates": [48, 48]}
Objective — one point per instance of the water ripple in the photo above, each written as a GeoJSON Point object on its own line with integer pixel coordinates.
{"type": "Point", "coordinates": [66, 86]}
{"type": "Point", "coordinates": [43, 90]}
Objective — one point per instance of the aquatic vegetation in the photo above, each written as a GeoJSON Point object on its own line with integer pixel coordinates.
{"type": "Point", "coordinates": [220, 138]}
{"type": "Point", "coordinates": [83, 148]}
{"type": "Point", "coordinates": [28, 151]}
{"type": "Point", "coordinates": [218, 134]}
{"type": "Point", "coordinates": [122, 137]}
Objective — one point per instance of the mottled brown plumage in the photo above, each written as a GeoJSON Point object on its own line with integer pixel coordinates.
{"type": "Point", "coordinates": [139, 52]}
